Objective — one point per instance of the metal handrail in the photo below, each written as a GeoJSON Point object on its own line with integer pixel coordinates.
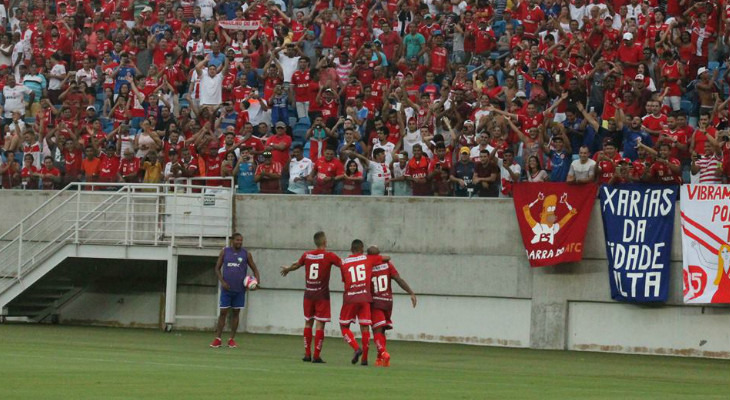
{"type": "Point", "coordinates": [51, 226]}
{"type": "Point", "coordinates": [37, 209]}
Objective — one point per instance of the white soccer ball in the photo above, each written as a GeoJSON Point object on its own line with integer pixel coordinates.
{"type": "Point", "coordinates": [250, 282]}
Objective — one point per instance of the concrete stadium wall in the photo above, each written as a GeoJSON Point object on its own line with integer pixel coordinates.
{"type": "Point", "coordinates": [464, 258]}
{"type": "Point", "coordinates": [466, 261]}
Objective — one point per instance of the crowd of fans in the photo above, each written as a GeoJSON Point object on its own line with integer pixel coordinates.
{"type": "Point", "coordinates": [400, 97]}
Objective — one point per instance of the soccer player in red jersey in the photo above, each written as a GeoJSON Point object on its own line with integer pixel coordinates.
{"type": "Point", "coordinates": [382, 305]}
{"type": "Point", "coordinates": [356, 273]}
{"type": "Point", "coordinates": [317, 264]}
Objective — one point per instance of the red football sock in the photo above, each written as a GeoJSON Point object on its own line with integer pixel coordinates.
{"type": "Point", "coordinates": [307, 341]}
{"type": "Point", "coordinates": [379, 340]}
{"type": "Point", "coordinates": [365, 345]}
{"type": "Point", "coordinates": [350, 338]}
{"type": "Point", "coordinates": [318, 340]}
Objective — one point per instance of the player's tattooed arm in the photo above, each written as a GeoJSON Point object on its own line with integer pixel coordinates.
{"type": "Point", "coordinates": [402, 283]}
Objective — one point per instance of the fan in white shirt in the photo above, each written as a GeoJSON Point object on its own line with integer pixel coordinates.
{"type": "Point", "coordinates": [582, 170]}
{"type": "Point", "coordinates": [384, 144]}
{"type": "Point", "coordinates": [211, 82]}
{"type": "Point", "coordinates": [300, 168]}
{"type": "Point", "coordinates": [378, 172]}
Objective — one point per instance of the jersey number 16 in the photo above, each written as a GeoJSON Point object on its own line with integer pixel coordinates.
{"type": "Point", "coordinates": [357, 273]}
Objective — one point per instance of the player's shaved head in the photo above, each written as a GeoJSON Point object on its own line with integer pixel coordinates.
{"type": "Point", "coordinates": [320, 239]}
{"type": "Point", "coordinates": [373, 250]}
{"type": "Point", "coordinates": [357, 246]}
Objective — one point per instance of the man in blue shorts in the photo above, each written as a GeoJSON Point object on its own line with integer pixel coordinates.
{"type": "Point", "coordinates": [231, 269]}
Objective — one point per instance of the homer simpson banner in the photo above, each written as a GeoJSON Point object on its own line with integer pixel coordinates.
{"type": "Point", "coordinates": [706, 243]}
{"type": "Point", "coordinates": [553, 219]}
{"type": "Point", "coordinates": [638, 221]}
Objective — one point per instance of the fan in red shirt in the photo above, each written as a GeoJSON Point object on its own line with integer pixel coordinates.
{"type": "Point", "coordinates": [665, 169]}
{"type": "Point", "coordinates": [325, 172]}
{"type": "Point", "coordinates": [675, 137]}
{"type": "Point", "coordinates": [630, 54]}
{"type": "Point", "coordinates": [438, 56]}
{"type": "Point", "coordinates": [531, 16]}
{"type": "Point", "coordinates": [49, 174]}
{"type": "Point", "coordinates": [268, 175]}
{"type": "Point", "coordinates": [72, 157]}
{"type": "Point", "coordinates": [382, 306]}
{"type": "Point", "coordinates": [129, 167]}
{"type": "Point", "coordinates": [417, 172]}
{"type": "Point", "coordinates": [607, 161]}
{"type": "Point", "coordinates": [317, 265]}
{"type": "Point", "coordinates": [109, 167]}
{"type": "Point", "coordinates": [356, 272]}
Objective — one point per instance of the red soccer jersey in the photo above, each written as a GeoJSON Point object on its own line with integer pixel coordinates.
{"type": "Point", "coordinates": [655, 123]}
{"type": "Point", "coordinates": [129, 166]}
{"type": "Point", "coordinates": [418, 169]}
{"type": "Point", "coordinates": [326, 169]}
{"type": "Point", "coordinates": [73, 162]}
{"type": "Point", "coordinates": [269, 185]}
{"type": "Point", "coordinates": [439, 59]}
{"type": "Point", "coordinates": [109, 168]}
{"type": "Point", "coordinates": [661, 173]}
{"type": "Point", "coordinates": [301, 80]}
{"type": "Point", "coordinates": [606, 169]}
{"type": "Point", "coordinates": [357, 271]}
{"type": "Point", "coordinates": [382, 290]}
{"type": "Point", "coordinates": [700, 139]}
{"type": "Point", "coordinates": [671, 137]}
{"type": "Point", "coordinates": [317, 265]}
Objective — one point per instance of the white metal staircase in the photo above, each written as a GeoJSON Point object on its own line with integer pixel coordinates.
{"type": "Point", "coordinates": [109, 220]}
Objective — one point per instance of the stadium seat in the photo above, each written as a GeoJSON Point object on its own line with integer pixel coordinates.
{"type": "Point", "coordinates": [686, 106]}
{"type": "Point", "coordinates": [305, 121]}
{"type": "Point", "coordinates": [299, 133]}
{"type": "Point", "coordinates": [307, 148]}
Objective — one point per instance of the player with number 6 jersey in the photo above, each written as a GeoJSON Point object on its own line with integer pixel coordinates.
{"type": "Point", "coordinates": [317, 264]}
{"type": "Point", "coordinates": [382, 305]}
{"type": "Point", "coordinates": [356, 273]}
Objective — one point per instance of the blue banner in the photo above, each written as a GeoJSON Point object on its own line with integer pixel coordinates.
{"type": "Point", "coordinates": [638, 221]}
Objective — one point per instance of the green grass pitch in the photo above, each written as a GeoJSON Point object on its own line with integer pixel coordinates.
{"type": "Point", "coordinates": [61, 362]}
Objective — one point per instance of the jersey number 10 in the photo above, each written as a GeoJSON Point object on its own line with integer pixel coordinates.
{"type": "Point", "coordinates": [380, 283]}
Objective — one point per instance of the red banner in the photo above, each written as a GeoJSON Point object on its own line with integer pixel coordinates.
{"type": "Point", "coordinates": [553, 219]}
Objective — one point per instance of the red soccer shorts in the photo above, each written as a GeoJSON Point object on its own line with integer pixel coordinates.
{"type": "Point", "coordinates": [381, 318]}
{"type": "Point", "coordinates": [350, 311]}
{"type": "Point", "coordinates": [317, 309]}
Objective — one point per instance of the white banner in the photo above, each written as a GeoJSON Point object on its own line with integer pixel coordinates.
{"type": "Point", "coordinates": [706, 243]}
{"type": "Point", "coordinates": [239, 25]}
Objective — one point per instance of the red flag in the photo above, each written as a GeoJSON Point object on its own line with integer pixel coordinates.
{"type": "Point", "coordinates": [553, 219]}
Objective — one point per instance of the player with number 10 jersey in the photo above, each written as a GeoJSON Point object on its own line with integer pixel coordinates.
{"type": "Point", "coordinates": [382, 306]}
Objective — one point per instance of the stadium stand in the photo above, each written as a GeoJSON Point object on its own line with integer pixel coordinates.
{"type": "Point", "coordinates": [127, 91]}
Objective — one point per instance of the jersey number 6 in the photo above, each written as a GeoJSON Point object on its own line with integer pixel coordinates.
{"type": "Point", "coordinates": [314, 271]}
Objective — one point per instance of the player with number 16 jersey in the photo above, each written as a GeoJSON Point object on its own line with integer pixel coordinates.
{"type": "Point", "coordinates": [356, 272]}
